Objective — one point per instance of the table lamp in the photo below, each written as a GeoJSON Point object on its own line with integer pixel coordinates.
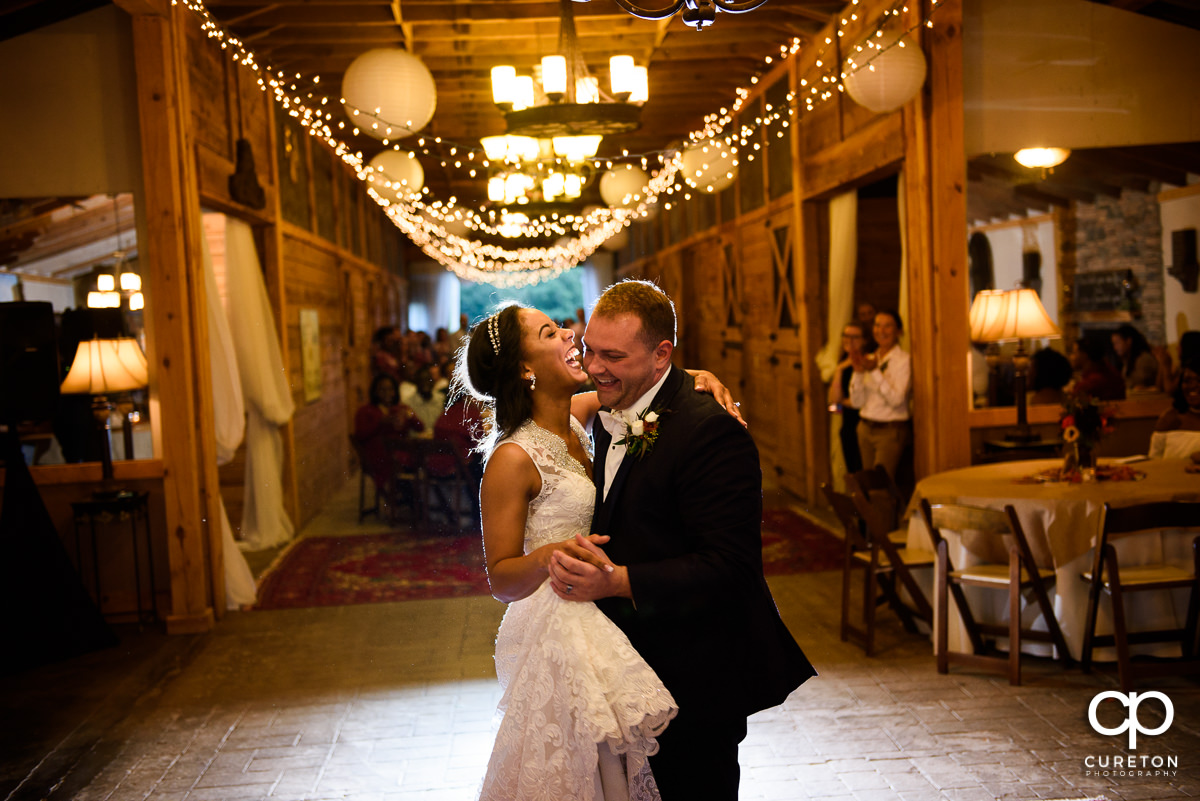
{"type": "Point", "coordinates": [1005, 316]}
{"type": "Point", "coordinates": [102, 367]}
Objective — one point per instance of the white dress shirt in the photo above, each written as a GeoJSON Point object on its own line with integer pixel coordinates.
{"type": "Point", "coordinates": [881, 394]}
{"type": "Point", "coordinates": [615, 423]}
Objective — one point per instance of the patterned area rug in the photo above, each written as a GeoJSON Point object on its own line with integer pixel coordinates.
{"type": "Point", "coordinates": [406, 566]}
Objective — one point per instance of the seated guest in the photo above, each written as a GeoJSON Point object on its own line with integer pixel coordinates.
{"type": "Point", "coordinates": [1137, 362]}
{"type": "Point", "coordinates": [379, 425]}
{"type": "Point", "coordinates": [426, 401]}
{"type": "Point", "coordinates": [385, 344]}
{"type": "Point", "coordinates": [879, 388]}
{"type": "Point", "coordinates": [1094, 375]}
{"type": "Point", "coordinates": [1177, 433]}
{"type": "Point", "coordinates": [1049, 372]}
{"type": "Point", "coordinates": [462, 424]}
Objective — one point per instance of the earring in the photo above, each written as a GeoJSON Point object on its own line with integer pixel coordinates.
{"type": "Point", "coordinates": [532, 382]}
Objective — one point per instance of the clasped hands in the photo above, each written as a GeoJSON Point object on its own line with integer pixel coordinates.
{"type": "Point", "coordinates": [862, 362]}
{"type": "Point", "coordinates": [581, 571]}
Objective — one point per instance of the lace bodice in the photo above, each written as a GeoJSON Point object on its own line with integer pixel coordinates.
{"type": "Point", "coordinates": [564, 506]}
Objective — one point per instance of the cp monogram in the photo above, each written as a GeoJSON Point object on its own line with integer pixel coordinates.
{"type": "Point", "coordinates": [1132, 701]}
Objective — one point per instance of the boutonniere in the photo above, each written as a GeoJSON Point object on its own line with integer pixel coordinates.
{"type": "Point", "coordinates": [641, 433]}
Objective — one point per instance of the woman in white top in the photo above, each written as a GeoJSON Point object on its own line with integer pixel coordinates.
{"type": "Point", "coordinates": [880, 388]}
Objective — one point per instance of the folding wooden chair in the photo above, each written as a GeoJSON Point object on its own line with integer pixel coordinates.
{"type": "Point", "coordinates": [1018, 574]}
{"type": "Point", "coordinates": [879, 577]}
{"type": "Point", "coordinates": [404, 486]}
{"type": "Point", "coordinates": [363, 509]}
{"type": "Point", "coordinates": [1106, 575]}
{"type": "Point", "coordinates": [887, 562]}
{"type": "Point", "coordinates": [444, 473]}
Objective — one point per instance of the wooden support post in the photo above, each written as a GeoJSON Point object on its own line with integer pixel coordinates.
{"type": "Point", "coordinates": [179, 347]}
{"type": "Point", "coordinates": [809, 304]}
{"type": "Point", "coordinates": [935, 191]}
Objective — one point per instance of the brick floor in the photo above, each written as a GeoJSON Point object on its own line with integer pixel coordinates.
{"type": "Point", "coordinates": [395, 702]}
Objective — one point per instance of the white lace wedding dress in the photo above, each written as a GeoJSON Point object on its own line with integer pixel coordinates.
{"type": "Point", "coordinates": [578, 699]}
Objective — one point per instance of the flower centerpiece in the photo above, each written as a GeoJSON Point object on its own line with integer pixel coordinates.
{"type": "Point", "coordinates": [1084, 421]}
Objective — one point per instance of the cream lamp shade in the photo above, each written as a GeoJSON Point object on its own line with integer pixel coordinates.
{"type": "Point", "coordinates": [1019, 315]}
{"type": "Point", "coordinates": [388, 93]}
{"type": "Point", "coordinates": [985, 310]}
{"type": "Point", "coordinates": [102, 366]}
{"type": "Point", "coordinates": [890, 78]}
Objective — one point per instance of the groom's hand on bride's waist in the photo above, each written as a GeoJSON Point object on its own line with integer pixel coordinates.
{"type": "Point", "coordinates": [581, 571]}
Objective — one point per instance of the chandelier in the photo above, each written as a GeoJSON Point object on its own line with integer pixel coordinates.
{"type": "Point", "coordinates": [697, 13]}
{"type": "Point", "coordinates": [107, 295]}
{"type": "Point", "coordinates": [569, 102]}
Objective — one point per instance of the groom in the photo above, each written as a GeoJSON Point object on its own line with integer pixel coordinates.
{"type": "Point", "coordinates": [679, 491]}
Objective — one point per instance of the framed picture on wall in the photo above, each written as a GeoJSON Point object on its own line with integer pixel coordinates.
{"type": "Point", "coordinates": [310, 354]}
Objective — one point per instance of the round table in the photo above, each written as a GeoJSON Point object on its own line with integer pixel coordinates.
{"type": "Point", "coordinates": [1062, 520]}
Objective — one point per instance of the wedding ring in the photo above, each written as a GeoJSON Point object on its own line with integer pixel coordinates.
{"type": "Point", "coordinates": [570, 589]}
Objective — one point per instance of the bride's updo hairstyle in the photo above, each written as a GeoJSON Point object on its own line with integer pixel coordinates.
{"type": "Point", "coordinates": [491, 372]}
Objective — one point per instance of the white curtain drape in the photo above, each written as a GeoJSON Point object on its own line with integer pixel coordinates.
{"type": "Point", "coordinates": [843, 260]}
{"type": "Point", "coordinates": [902, 304]}
{"type": "Point", "coordinates": [434, 300]}
{"type": "Point", "coordinates": [265, 386]}
{"type": "Point", "coordinates": [229, 418]}
{"type": "Point", "coordinates": [595, 275]}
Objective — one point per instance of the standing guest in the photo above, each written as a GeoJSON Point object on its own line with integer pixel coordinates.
{"type": "Point", "coordinates": [680, 495]}
{"type": "Point", "coordinates": [879, 389]}
{"type": "Point", "coordinates": [579, 325]}
{"type": "Point", "coordinates": [865, 313]}
{"type": "Point", "coordinates": [1094, 376]}
{"type": "Point", "coordinates": [1137, 362]}
{"type": "Point", "coordinates": [378, 425]}
{"type": "Point", "coordinates": [839, 396]}
{"type": "Point", "coordinates": [459, 337]}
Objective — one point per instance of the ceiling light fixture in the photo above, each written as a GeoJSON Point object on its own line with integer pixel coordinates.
{"type": "Point", "coordinates": [697, 13]}
{"type": "Point", "coordinates": [570, 102]}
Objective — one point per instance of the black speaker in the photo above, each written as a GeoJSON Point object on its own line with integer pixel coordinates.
{"type": "Point", "coordinates": [29, 372]}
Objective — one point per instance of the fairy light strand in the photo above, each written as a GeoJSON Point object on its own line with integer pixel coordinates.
{"type": "Point", "coordinates": [432, 223]}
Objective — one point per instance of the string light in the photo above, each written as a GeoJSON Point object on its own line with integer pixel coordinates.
{"type": "Point", "coordinates": [435, 225]}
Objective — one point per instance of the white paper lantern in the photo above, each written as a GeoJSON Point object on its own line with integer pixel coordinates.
{"type": "Point", "coordinates": [391, 91]}
{"type": "Point", "coordinates": [710, 166]}
{"type": "Point", "coordinates": [624, 186]}
{"type": "Point", "coordinates": [617, 241]}
{"type": "Point", "coordinates": [896, 78]}
{"type": "Point", "coordinates": [397, 174]}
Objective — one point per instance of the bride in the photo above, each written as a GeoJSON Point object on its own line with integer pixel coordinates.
{"type": "Point", "coordinates": [582, 709]}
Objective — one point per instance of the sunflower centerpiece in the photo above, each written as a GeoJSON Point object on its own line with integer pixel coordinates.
{"type": "Point", "coordinates": [1084, 422]}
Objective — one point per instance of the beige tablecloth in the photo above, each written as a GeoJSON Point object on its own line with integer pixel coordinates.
{"type": "Point", "coordinates": [1061, 522]}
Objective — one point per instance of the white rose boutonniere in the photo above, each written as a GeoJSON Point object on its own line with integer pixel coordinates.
{"type": "Point", "coordinates": [640, 434]}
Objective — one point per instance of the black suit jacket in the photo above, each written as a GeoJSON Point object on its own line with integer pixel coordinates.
{"type": "Point", "coordinates": [686, 520]}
